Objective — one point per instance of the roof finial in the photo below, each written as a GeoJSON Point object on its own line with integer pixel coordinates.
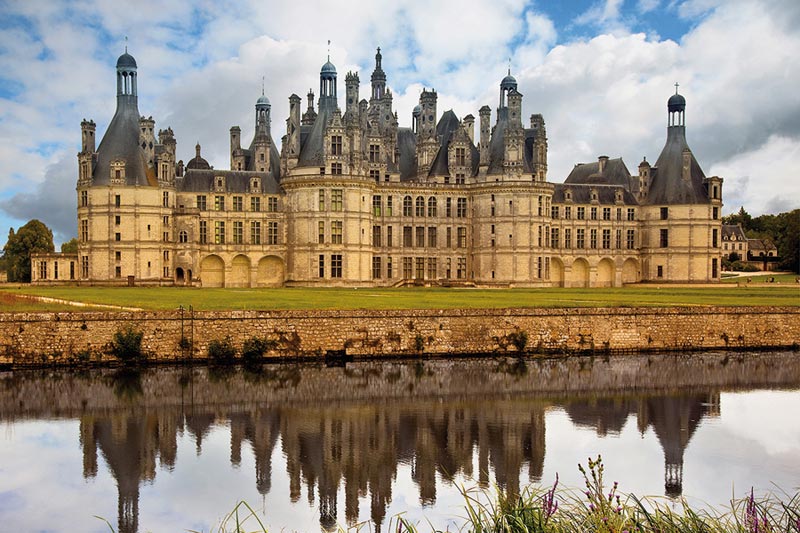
{"type": "Point", "coordinates": [509, 66]}
{"type": "Point", "coordinates": [329, 49]}
{"type": "Point", "coordinates": [126, 44]}
{"type": "Point", "coordinates": [262, 85]}
{"type": "Point", "coordinates": [676, 87]}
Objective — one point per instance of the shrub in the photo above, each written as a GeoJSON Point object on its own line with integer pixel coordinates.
{"type": "Point", "coordinates": [254, 348]}
{"type": "Point", "coordinates": [126, 345]}
{"type": "Point", "coordinates": [519, 339]}
{"type": "Point", "coordinates": [221, 351]}
{"type": "Point", "coordinates": [419, 343]}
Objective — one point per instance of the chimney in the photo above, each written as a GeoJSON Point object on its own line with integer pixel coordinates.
{"type": "Point", "coordinates": [602, 161]}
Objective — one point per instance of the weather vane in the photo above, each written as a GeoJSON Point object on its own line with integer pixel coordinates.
{"type": "Point", "coordinates": [329, 49]}
{"type": "Point", "coordinates": [676, 87]}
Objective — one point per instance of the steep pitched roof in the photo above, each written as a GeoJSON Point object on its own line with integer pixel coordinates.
{"type": "Point", "coordinates": [121, 142]}
{"type": "Point", "coordinates": [312, 150]}
{"type": "Point", "coordinates": [668, 185]}
{"type": "Point", "coordinates": [614, 173]}
{"type": "Point", "coordinates": [407, 145]}
{"type": "Point", "coordinates": [202, 180]}
{"type": "Point", "coordinates": [582, 194]}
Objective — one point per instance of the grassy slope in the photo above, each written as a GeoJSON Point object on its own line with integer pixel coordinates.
{"type": "Point", "coordinates": [417, 298]}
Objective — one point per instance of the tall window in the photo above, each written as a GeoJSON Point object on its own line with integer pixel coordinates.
{"type": "Point", "coordinates": [84, 230]}
{"type": "Point", "coordinates": [714, 238]}
{"type": "Point", "coordinates": [593, 213]}
{"type": "Point", "coordinates": [408, 267]}
{"type": "Point", "coordinates": [336, 266]}
{"type": "Point", "coordinates": [449, 237]}
{"type": "Point", "coordinates": [554, 237]}
{"type": "Point", "coordinates": [374, 153]}
{"type": "Point", "coordinates": [606, 213]}
{"type": "Point", "coordinates": [664, 238]}
{"type": "Point", "coordinates": [606, 238]}
{"type": "Point", "coordinates": [85, 198]}
{"type": "Point", "coordinates": [336, 145]}
{"type": "Point", "coordinates": [631, 213]}
{"type": "Point", "coordinates": [165, 199]}
{"type": "Point", "coordinates": [618, 239]}
{"type": "Point", "coordinates": [432, 210]}
{"type": "Point", "coordinates": [461, 271]}
{"type": "Point", "coordinates": [376, 236]}
{"type": "Point", "coordinates": [376, 268]}
{"type": "Point", "coordinates": [183, 237]}
{"type": "Point", "coordinates": [272, 204]}
{"type": "Point", "coordinates": [567, 212]}
{"type": "Point", "coordinates": [406, 206]}
{"type": "Point", "coordinates": [376, 206]}
{"type": "Point", "coordinates": [42, 269]}
{"type": "Point", "coordinates": [219, 203]}
{"type": "Point", "coordinates": [203, 232]}
{"type": "Point", "coordinates": [448, 207]}
{"type": "Point", "coordinates": [420, 273]}
{"type": "Point", "coordinates": [255, 204]}
{"type": "Point", "coordinates": [664, 213]}
{"type": "Point", "coordinates": [337, 201]}
{"type": "Point", "coordinates": [322, 199]}
{"type": "Point", "coordinates": [581, 213]}
{"type": "Point", "coordinates": [272, 233]}
{"type": "Point", "coordinates": [219, 232]}
{"type": "Point", "coordinates": [461, 157]}
{"type": "Point", "coordinates": [201, 202]}
{"type": "Point", "coordinates": [375, 175]}
{"type": "Point", "coordinates": [580, 238]}
{"type": "Point", "coordinates": [554, 212]}
{"type": "Point", "coordinates": [389, 272]}
{"type": "Point", "coordinates": [420, 234]}
{"type": "Point", "coordinates": [461, 207]}
{"type": "Point", "coordinates": [336, 232]}
{"type": "Point", "coordinates": [255, 232]}
{"type": "Point", "coordinates": [238, 232]}
{"type": "Point", "coordinates": [462, 237]}
{"type": "Point", "coordinates": [432, 270]}
{"type": "Point", "coordinates": [630, 239]}
{"type": "Point", "coordinates": [336, 169]}
{"type": "Point", "coordinates": [420, 207]}
{"type": "Point", "coordinates": [389, 237]}
{"type": "Point", "coordinates": [85, 266]}
{"type": "Point", "coordinates": [321, 232]}
{"type": "Point", "coordinates": [593, 238]}
{"type": "Point", "coordinates": [407, 236]}
{"type": "Point", "coordinates": [432, 236]}
{"type": "Point", "coordinates": [388, 206]}
{"type": "Point", "coordinates": [321, 265]}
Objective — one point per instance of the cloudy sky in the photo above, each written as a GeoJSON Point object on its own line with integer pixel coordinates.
{"type": "Point", "coordinates": [600, 71]}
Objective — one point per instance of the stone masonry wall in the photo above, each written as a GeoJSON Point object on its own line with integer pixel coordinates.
{"type": "Point", "coordinates": [36, 338]}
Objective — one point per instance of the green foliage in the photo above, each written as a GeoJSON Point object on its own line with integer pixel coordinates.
{"type": "Point", "coordinates": [126, 345]}
{"type": "Point", "coordinates": [782, 229]}
{"type": "Point", "coordinates": [221, 351]}
{"type": "Point", "coordinates": [254, 348]}
{"type": "Point", "coordinates": [70, 247]}
{"type": "Point", "coordinates": [419, 343]}
{"type": "Point", "coordinates": [33, 237]}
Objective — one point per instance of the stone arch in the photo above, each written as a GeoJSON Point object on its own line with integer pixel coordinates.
{"type": "Point", "coordinates": [240, 272]}
{"type": "Point", "coordinates": [270, 271]}
{"type": "Point", "coordinates": [557, 272]}
{"type": "Point", "coordinates": [580, 273]}
{"type": "Point", "coordinates": [605, 273]}
{"type": "Point", "coordinates": [212, 271]}
{"type": "Point", "coordinates": [180, 278]}
{"type": "Point", "coordinates": [630, 271]}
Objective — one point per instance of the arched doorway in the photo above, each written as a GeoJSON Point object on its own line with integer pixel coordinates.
{"type": "Point", "coordinates": [630, 271]}
{"type": "Point", "coordinates": [240, 272]}
{"type": "Point", "coordinates": [212, 271]}
{"type": "Point", "coordinates": [557, 272]}
{"type": "Point", "coordinates": [179, 276]}
{"type": "Point", "coordinates": [605, 273]}
{"type": "Point", "coordinates": [580, 273]}
{"type": "Point", "coordinates": [270, 271]}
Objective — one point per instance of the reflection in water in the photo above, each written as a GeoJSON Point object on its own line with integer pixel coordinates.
{"type": "Point", "coordinates": [351, 427]}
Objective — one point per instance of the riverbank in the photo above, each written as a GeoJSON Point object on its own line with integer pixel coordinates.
{"type": "Point", "coordinates": [66, 338]}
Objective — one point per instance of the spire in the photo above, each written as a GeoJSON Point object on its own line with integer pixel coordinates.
{"type": "Point", "coordinates": [329, 50]}
{"type": "Point", "coordinates": [378, 77]}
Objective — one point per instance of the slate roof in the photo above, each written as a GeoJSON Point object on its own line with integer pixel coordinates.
{"type": "Point", "coordinates": [733, 230]}
{"type": "Point", "coordinates": [445, 129]}
{"type": "Point", "coordinates": [202, 180]}
{"type": "Point", "coordinates": [312, 149]}
{"type": "Point", "coordinates": [407, 145]}
{"type": "Point", "coordinates": [667, 185]}
{"type": "Point", "coordinates": [614, 173]}
{"type": "Point", "coordinates": [582, 194]}
{"type": "Point", "coordinates": [121, 141]}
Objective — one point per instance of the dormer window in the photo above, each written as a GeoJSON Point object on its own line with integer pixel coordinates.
{"type": "Point", "coordinates": [118, 170]}
{"type": "Point", "coordinates": [255, 184]}
{"type": "Point", "coordinates": [567, 195]}
{"type": "Point", "coordinates": [219, 183]}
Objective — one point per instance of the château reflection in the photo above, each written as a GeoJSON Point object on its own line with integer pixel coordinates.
{"type": "Point", "coordinates": [346, 431]}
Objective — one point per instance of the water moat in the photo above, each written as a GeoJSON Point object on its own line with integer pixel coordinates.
{"type": "Point", "coordinates": [312, 447]}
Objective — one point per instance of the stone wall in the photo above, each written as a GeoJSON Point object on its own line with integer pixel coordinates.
{"type": "Point", "coordinates": [36, 338]}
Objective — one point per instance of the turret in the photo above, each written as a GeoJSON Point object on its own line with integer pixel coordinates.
{"type": "Point", "coordinates": [237, 154]}
{"type": "Point", "coordinates": [327, 86]}
{"type": "Point", "coordinates": [351, 82]}
{"type": "Point", "coordinates": [485, 113]}
{"type": "Point", "coordinates": [378, 78]}
{"type": "Point", "coordinates": [508, 84]}
{"type": "Point", "coordinates": [87, 136]}
{"type": "Point", "coordinates": [293, 128]}
{"type": "Point", "coordinates": [427, 103]}
{"type": "Point", "coordinates": [310, 115]}
{"type": "Point", "coordinates": [514, 108]}
{"type": "Point", "coordinates": [147, 138]}
{"type": "Point", "coordinates": [469, 125]}
{"type": "Point", "coordinates": [644, 178]}
{"type": "Point", "coordinates": [126, 78]}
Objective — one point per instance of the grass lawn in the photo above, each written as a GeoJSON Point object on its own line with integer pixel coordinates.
{"type": "Point", "coordinates": [413, 298]}
{"type": "Point", "coordinates": [761, 277]}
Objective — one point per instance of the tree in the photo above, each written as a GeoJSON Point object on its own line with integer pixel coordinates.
{"type": "Point", "coordinates": [33, 237]}
{"type": "Point", "coordinates": [70, 247]}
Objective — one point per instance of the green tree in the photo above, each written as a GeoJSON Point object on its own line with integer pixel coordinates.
{"type": "Point", "coordinates": [70, 247]}
{"type": "Point", "coordinates": [33, 237]}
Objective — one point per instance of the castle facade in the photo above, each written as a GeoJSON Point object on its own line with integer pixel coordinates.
{"type": "Point", "coordinates": [353, 199]}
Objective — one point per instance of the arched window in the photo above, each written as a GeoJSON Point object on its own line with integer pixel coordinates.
{"type": "Point", "coordinates": [432, 206]}
{"type": "Point", "coordinates": [420, 207]}
{"type": "Point", "coordinates": [183, 236]}
{"type": "Point", "coordinates": [406, 206]}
